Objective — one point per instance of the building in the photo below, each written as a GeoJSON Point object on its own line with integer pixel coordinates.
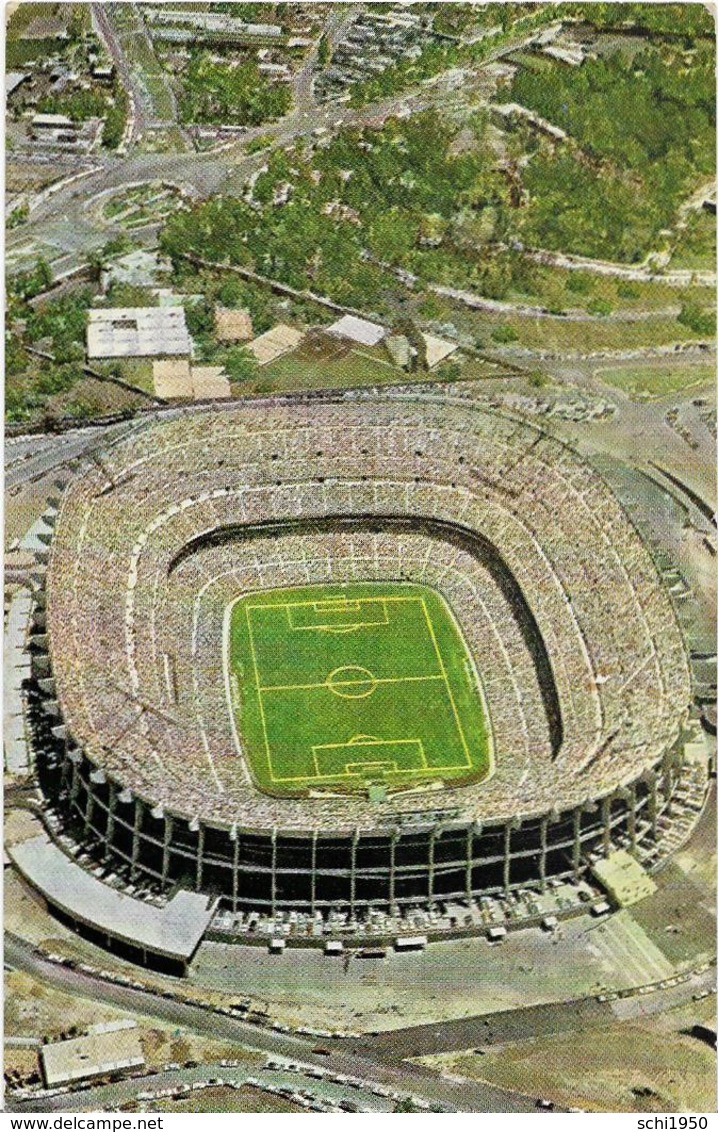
{"type": "Point", "coordinates": [399, 350]}
{"type": "Point", "coordinates": [232, 325]}
{"type": "Point", "coordinates": [163, 937]}
{"type": "Point", "coordinates": [624, 878]}
{"type": "Point", "coordinates": [437, 349]}
{"type": "Point", "coordinates": [463, 498]}
{"type": "Point", "coordinates": [358, 330]}
{"type": "Point", "coordinates": [176, 379]}
{"type": "Point", "coordinates": [104, 73]}
{"type": "Point", "coordinates": [137, 332]}
{"type": "Point", "coordinates": [281, 339]}
{"type": "Point", "coordinates": [43, 122]}
{"type": "Point", "coordinates": [13, 81]}
{"type": "Point", "coordinates": [108, 1048]}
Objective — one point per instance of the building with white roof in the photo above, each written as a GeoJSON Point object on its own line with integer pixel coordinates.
{"type": "Point", "coordinates": [138, 332]}
{"type": "Point", "coordinates": [106, 1049]}
{"type": "Point", "coordinates": [357, 330]}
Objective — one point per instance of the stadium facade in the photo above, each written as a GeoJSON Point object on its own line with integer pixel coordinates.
{"type": "Point", "coordinates": [581, 657]}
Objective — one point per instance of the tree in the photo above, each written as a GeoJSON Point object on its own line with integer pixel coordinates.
{"type": "Point", "coordinates": [504, 334]}
{"type": "Point", "coordinates": [697, 319]}
{"type": "Point", "coordinates": [411, 332]}
{"type": "Point", "coordinates": [324, 52]}
{"type": "Point", "coordinates": [239, 363]}
{"type": "Point", "coordinates": [405, 1104]}
{"type": "Point", "coordinates": [393, 234]}
{"type": "Point", "coordinates": [537, 379]}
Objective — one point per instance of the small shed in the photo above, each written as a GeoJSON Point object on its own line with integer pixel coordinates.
{"type": "Point", "coordinates": [233, 325]}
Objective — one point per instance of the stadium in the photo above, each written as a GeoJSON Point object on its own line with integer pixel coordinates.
{"type": "Point", "coordinates": [360, 652]}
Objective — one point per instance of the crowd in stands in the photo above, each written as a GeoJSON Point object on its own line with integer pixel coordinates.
{"type": "Point", "coordinates": [136, 632]}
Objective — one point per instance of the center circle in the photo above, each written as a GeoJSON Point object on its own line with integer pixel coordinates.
{"type": "Point", "coordinates": [351, 682]}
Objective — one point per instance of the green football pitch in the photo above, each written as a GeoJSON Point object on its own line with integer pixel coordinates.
{"type": "Point", "coordinates": [348, 687]}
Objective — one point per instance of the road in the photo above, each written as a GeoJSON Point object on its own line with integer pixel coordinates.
{"type": "Point", "coordinates": [454, 1096]}
{"type": "Point", "coordinates": [102, 1097]}
{"type": "Point", "coordinates": [545, 1020]}
{"type": "Point", "coordinates": [66, 230]}
{"type": "Point", "coordinates": [33, 457]}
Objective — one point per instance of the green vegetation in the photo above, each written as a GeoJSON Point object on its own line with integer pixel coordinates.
{"type": "Point", "coordinates": [343, 686]}
{"type": "Point", "coordinates": [18, 217]}
{"type": "Point", "coordinates": [701, 320]}
{"type": "Point", "coordinates": [505, 334]}
{"type": "Point", "coordinates": [378, 187]}
{"type": "Point", "coordinates": [240, 365]}
{"type": "Point", "coordinates": [656, 381]}
{"type": "Point", "coordinates": [611, 190]}
{"type": "Point", "coordinates": [219, 94]}
{"type": "Point", "coordinates": [679, 21]}
{"type": "Point", "coordinates": [561, 335]}
{"type": "Point", "coordinates": [79, 104]}
{"type": "Point", "coordinates": [324, 52]}
{"type": "Point", "coordinates": [330, 221]}
{"type": "Point", "coordinates": [322, 365]}
{"type": "Point", "coordinates": [57, 328]}
{"type": "Point", "coordinates": [435, 57]}
{"type": "Point", "coordinates": [28, 284]}
{"type": "Point", "coordinates": [141, 205]}
{"type": "Point", "coordinates": [116, 118]}
{"type": "Point", "coordinates": [695, 248]}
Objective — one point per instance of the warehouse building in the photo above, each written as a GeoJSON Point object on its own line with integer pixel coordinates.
{"type": "Point", "coordinates": [107, 1048]}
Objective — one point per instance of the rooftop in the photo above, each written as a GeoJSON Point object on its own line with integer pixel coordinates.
{"type": "Point", "coordinates": [137, 332]}
{"type": "Point", "coordinates": [174, 930]}
{"type": "Point", "coordinates": [101, 1051]}
{"type": "Point", "coordinates": [358, 330]}
{"type": "Point", "coordinates": [624, 878]}
{"type": "Point", "coordinates": [14, 79]}
{"type": "Point", "coordinates": [233, 325]}
{"type": "Point", "coordinates": [275, 342]}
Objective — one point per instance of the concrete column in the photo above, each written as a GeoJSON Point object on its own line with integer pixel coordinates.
{"type": "Point", "coordinates": [353, 875]}
{"type": "Point", "coordinates": [136, 838]}
{"type": "Point", "coordinates": [507, 857]}
{"type": "Point", "coordinates": [469, 861]}
{"type": "Point", "coordinates": [88, 810]}
{"type": "Point", "coordinates": [392, 871]}
{"type": "Point", "coordinates": [167, 841]}
{"type": "Point", "coordinates": [75, 779]}
{"type": "Point", "coordinates": [606, 819]}
{"type": "Point", "coordinates": [542, 853]}
{"type": "Point", "coordinates": [432, 843]}
{"type": "Point", "coordinates": [274, 870]}
{"type": "Point", "coordinates": [632, 816]}
{"type": "Point", "coordinates": [576, 862]}
{"type": "Point", "coordinates": [111, 807]}
{"type": "Point", "coordinates": [200, 858]}
{"type": "Point", "coordinates": [313, 896]}
{"type": "Point", "coordinates": [235, 871]}
{"type": "Point", "coordinates": [653, 806]}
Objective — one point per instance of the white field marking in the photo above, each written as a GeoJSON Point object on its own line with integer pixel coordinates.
{"type": "Point", "coordinates": [443, 676]}
{"type": "Point", "coordinates": [330, 684]}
